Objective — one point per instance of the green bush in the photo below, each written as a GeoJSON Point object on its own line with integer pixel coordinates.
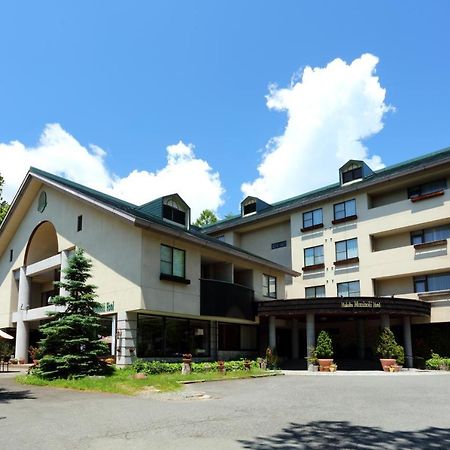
{"type": "Point", "coordinates": [158, 367]}
{"type": "Point", "coordinates": [324, 345]}
{"type": "Point", "coordinates": [400, 355]}
{"type": "Point", "coordinates": [437, 362]}
{"type": "Point", "coordinates": [387, 345]}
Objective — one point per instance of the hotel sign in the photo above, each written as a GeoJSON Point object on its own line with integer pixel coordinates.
{"type": "Point", "coordinates": [366, 304]}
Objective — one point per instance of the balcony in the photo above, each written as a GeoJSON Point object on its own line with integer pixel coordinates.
{"type": "Point", "coordinates": [225, 299]}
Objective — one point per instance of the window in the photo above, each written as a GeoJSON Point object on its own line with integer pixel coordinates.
{"type": "Point", "coordinates": [430, 235]}
{"type": "Point", "coordinates": [172, 211]}
{"type": "Point", "coordinates": [280, 244]}
{"type": "Point", "coordinates": [346, 249]}
{"type": "Point", "coordinates": [427, 188]}
{"type": "Point", "coordinates": [312, 219]}
{"type": "Point", "coordinates": [79, 223]}
{"type": "Point", "coordinates": [315, 291]}
{"type": "Point", "coordinates": [235, 337]}
{"type": "Point", "coordinates": [345, 210]}
{"type": "Point", "coordinates": [313, 255]}
{"type": "Point", "coordinates": [172, 261]}
{"type": "Point", "coordinates": [249, 208]}
{"type": "Point", "coordinates": [426, 283]}
{"type": "Point", "coordinates": [11, 254]}
{"type": "Point", "coordinates": [171, 337]}
{"type": "Point", "coordinates": [348, 289]}
{"type": "Point", "coordinates": [269, 286]}
{"type": "Point", "coordinates": [354, 172]}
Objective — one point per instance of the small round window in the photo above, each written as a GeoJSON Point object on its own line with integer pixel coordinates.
{"type": "Point", "coordinates": [42, 202]}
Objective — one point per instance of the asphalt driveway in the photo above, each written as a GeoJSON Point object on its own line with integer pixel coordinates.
{"type": "Point", "coordinates": [378, 411]}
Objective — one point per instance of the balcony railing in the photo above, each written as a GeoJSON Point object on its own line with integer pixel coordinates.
{"type": "Point", "coordinates": [225, 299]}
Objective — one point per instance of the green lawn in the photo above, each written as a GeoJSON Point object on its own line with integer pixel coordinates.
{"type": "Point", "coordinates": [123, 382]}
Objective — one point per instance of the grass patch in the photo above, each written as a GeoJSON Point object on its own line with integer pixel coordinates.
{"type": "Point", "coordinates": [122, 381]}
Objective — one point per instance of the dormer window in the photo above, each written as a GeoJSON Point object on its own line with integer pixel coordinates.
{"type": "Point", "coordinates": [253, 205]}
{"type": "Point", "coordinates": [354, 172]}
{"type": "Point", "coordinates": [173, 210]}
{"type": "Point", "coordinates": [249, 208]}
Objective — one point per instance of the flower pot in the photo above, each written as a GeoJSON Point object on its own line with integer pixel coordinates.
{"type": "Point", "coordinates": [324, 364]}
{"type": "Point", "coordinates": [387, 362]}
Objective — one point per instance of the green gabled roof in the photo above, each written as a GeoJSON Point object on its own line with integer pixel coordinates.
{"type": "Point", "coordinates": [145, 213]}
{"type": "Point", "coordinates": [332, 189]}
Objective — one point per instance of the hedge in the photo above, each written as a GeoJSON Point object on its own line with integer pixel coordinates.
{"type": "Point", "coordinates": [157, 367]}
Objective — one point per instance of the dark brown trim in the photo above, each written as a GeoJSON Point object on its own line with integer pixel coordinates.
{"type": "Point", "coordinates": [313, 267]}
{"type": "Point", "coordinates": [344, 219]}
{"type": "Point", "coordinates": [344, 306]}
{"type": "Point", "coordinates": [312, 227]}
{"type": "Point", "coordinates": [418, 198]}
{"type": "Point", "coordinates": [344, 262]}
{"type": "Point", "coordinates": [430, 244]}
{"type": "Point", "coordinates": [166, 277]}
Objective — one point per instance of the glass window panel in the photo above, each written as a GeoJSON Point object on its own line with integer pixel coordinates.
{"type": "Point", "coordinates": [317, 216]}
{"type": "Point", "coordinates": [177, 337]}
{"type": "Point", "coordinates": [229, 336]}
{"type": "Point", "coordinates": [339, 211]}
{"type": "Point", "coordinates": [439, 282]}
{"type": "Point", "coordinates": [341, 251]}
{"type": "Point", "coordinates": [150, 336]}
{"type": "Point", "coordinates": [420, 284]}
{"type": "Point", "coordinates": [309, 256]}
{"type": "Point", "coordinates": [353, 288]}
{"type": "Point", "coordinates": [249, 337]}
{"type": "Point", "coordinates": [310, 292]}
{"type": "Point", "coordinates": [199, 335]}
{"type": "Point", "coordinates": [320, 291]}
{"type": "Point", "coordinates": [166, 268]}
{"type": "Point", "coordinates": [272, 287]}
{"type": "Point", "coordinates": [178, 262]}
{"type": "Point", "coordinates": [307, 219]}
{"type": "Point", "coordinates": [166, 253]}
{"type": "Point", "coordinates": [417, 237]}
{"type": "Point", "coordinates": [318, 254]}
{"type": "Point", "coordinates": [342, 289]}
{"type": "Point", "coordinates": [352, 248]}
{"type": "Point", "coordinates": [350, 208]}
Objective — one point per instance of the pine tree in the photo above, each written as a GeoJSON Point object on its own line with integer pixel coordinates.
{"type": "Point", "coordinates": [70, 342]}
{"type": "Point", "coordinates": [206, 217]}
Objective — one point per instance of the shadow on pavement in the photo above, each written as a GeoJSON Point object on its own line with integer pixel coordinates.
{"type": "Point", "coordinates": [7, 395]}
{"type": "Point", "coordinates": [324, 434]}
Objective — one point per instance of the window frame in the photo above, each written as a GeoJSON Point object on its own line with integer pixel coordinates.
{"type": "Point", "coordinates": [172, 276]}
{"type": "Point", "coordinates": [348, 283]}
{"type": "Point", "coordinates": [318, 259]}
{"type": "Point", "coordinates": [425, 190]}
{"type": "Point", "coordinates": [425, 280]}
{"type": "Point", "coordinates": [315, 288]}
{"type": "Point", "coordinates": [346, 252]}
{"type": "Point", "coordinates": [355, 171]}
{"type": "Point", "coordinates": [279, 244]}
{"type": "Point", "coordinates": [266, 285]}
{"type": "Point", "coordinates": [347, 216]}
{"type": "Point", "coordinates": [314, 225]}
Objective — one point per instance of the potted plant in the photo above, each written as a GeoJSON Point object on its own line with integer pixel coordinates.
{"type": "Point", "coordinates": [35, 354]}
{"type": "Point", "coordinates": [311, 359]}
{"type": "Point", "coordinates": [387, 349]}
{"type": "Point", "coordinates": [324, 351]}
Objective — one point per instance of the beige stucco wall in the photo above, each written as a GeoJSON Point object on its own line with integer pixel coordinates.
{"type": "Point", "coordinates": [115, 267]}
{"type": "Point", "coordinates": [386, 257]}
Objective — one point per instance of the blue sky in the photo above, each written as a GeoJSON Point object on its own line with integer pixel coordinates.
{"type": "Point", "coordinates": [133, 78]}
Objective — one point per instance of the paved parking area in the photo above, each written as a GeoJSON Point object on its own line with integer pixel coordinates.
{"type": "Point", "coordinates": [371, 411]}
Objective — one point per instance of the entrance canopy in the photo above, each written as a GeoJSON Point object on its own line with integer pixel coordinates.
{"type": "Point", "coordinates": [344, 306]}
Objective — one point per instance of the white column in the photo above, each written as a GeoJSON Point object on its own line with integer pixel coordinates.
{"type": "Point", "coordinates": [361, 338]}
{"type": "Point", "coordinates": [272, 333]}
{"type": "Point", "coordinates": [385, 322]}
{"type": "Point", "coordinates": [126, 337]}
{"type": "Point", "coordinates": [22, 331]}
{"type": "Point", "coordinates": [310, 332]}
{"type": "Point", "coordinates": [64, 265]}
{"type": "Point", "coordinates": [295, 349]}
{"type": "Point", "coordinates": [407, 341]}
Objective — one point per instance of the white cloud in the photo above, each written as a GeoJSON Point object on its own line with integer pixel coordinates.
{"type": "Point", "coordinates": [60, 153]}
{"type": "Point", "coordinates": [330, 112]}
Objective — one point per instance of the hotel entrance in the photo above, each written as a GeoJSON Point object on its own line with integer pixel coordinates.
{"type": "Point", "coordinates": [292, 326]}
